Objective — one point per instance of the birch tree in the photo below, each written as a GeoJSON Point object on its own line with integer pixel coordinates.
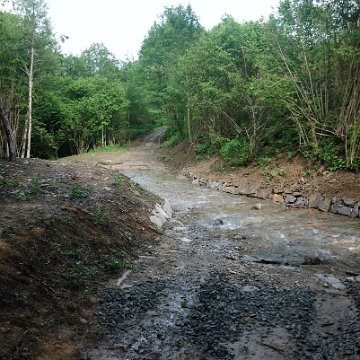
{"type": "Point", "coordinates": [38, 38]}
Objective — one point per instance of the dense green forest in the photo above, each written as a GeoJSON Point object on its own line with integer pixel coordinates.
{"type": "Point", "coordinates": [250, 90]}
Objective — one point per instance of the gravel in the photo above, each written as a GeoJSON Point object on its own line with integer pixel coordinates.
{"type": "Point", "coordinates": [168, 319]}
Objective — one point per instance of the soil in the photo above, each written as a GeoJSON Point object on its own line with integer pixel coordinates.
{"type": "Point", "coordinates": [70, 228]}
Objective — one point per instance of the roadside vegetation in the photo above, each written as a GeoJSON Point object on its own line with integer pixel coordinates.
{"type": "Point", "coordinates": [248, 91]}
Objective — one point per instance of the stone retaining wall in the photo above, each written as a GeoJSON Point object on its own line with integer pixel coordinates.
{"type": "Point", "coordinates": [344, 206]}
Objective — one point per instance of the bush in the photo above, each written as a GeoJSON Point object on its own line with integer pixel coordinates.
{"type": "Point", "coordinates": [236, 150]}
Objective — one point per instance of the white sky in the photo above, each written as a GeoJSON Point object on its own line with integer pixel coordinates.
{"type": "Point", "coordinates": [122, 25]}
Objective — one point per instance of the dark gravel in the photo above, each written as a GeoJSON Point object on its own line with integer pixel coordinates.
{"type": "Point", "coordinates": [219, 313]}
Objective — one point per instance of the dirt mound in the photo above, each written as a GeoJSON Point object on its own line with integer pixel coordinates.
{"type": "Point", "coordinates": [65, 228]}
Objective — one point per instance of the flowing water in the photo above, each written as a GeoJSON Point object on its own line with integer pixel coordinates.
{"type": "Point", "coordinates": [273, 233]}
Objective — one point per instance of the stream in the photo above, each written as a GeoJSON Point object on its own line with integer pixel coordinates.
{"type": "Point", "coordinates": [233, 277]}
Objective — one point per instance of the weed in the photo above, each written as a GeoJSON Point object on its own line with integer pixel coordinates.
{"type": "Point", "coordinates": [36, 182]}
{"type": "Point", "coordinates": [31, 331]}
{"type": "Point", "coordinates": [281, 171]}
{"type": "Point", "coordinates": [88, 292]}
{"type": "Point", "coordinates": [21, 195]}
{"type": "Point", "coordinates": [97, 240]}
{"type": "Point", "coordinates": [78, 192]}
{"type": "Point", "coordinates": [73, 253]}
{"type": "Point", "coordinates": [118, 181]}
{"type": "Point", "coordinates": [263, 160]}
{"type": "Point", "coordinates": [101, 218]}
{"type": "Point", "coordinates": [67, 220]}
{"type": "Point", "coordinates": [128, 235]}
{"type": "Point", "coordinates": [79, 273]}
{"type": "Point", "coordinates": [6, 183]}
{"type": "Point", "coordinates": [183, 304]}
{"type": "Point", "coordinates": [113, 264]}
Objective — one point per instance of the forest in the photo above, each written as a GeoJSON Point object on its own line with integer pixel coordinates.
{"type": "Point", "coordinates": [248, 91]}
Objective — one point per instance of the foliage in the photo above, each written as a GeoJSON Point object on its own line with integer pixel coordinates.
{"type": "Point", "coordinates": [78, 192]}
{"type": "Point", "coordinates": [101, 218]}
{"type": "Point", "coordinates": [250, 90]}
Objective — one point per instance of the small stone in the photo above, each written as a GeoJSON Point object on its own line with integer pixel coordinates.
{"type": "Point", "coordinates": [278, 198]}
{"type": "Point", "coordinates": [257, 207]}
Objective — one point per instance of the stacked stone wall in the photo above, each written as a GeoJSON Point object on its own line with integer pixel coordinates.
{"type": "Point", "coordinates": [342, 206]}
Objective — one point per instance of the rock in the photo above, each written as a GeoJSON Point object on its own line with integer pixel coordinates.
{"type": "Point", "coordinates": [348, 201]}
{"type": "Point", "coordinates": [334, 208]}
{"type": "Point", "coordinates": [214, 185]}
{"type": "Point", "coordinates": [355, 210]}
{"type": "Point", "coordinates": [325, 205]}
{"type": "Point", "coordinates": [297, 193]}
{"type": "Point", "coordinates": [278, 198]}
{"type": "Point", "coordinates": [332, 280]}
{"type": "Point", "coordinates": [318, 202]}
{"type": "Point", "coordinates": [300, 201]}
{"type": "Point", "coordinates": [229, 189]}
{"type": "Point", "coordinates": [344, 210]}
{"type": "Point", "coordinates": [252, 190]}
{"type": "Point", "coordinates": [290, 199]}
{"type": "Point", "coordinates": [312, 199]}
{"type": "Point", "coordinates": [241, 190]}
{"type": "Point", "coordinates": [257, 207]}
{"type": "Point", "coordinates": [278, 190]}
{"type": "Point", "coordinates": [287, 191]}
{"type": "Point", "coordinates": [196, 182]}
{"type": "Point", "coordinates": [264, 193]}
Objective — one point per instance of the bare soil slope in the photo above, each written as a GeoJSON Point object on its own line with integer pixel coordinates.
{"type": "Point", "coordinates": [65, 228]}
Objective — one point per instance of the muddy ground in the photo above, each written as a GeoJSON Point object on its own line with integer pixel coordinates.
{"type": "Point", "coordinates": [85, 275]}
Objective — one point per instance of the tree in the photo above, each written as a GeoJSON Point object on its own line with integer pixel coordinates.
{"type": "Point", "coordinates": [38, 38]}
{"type": "Point", "coordinates": [10, 138]}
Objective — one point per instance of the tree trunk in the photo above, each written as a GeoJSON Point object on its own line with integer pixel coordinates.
{"type": "Point", "coordinates": [9, 135]}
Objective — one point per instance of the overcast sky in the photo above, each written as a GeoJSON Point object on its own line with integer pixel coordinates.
{"type": "Point", "coordinates": [121, 25]}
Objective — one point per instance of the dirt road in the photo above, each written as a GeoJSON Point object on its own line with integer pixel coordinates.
{"type": "Point", "coordinates": [225, 285]}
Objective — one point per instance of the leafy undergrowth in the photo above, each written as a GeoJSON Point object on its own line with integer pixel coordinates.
{"type": "Point", "coordinates": [65, 229]}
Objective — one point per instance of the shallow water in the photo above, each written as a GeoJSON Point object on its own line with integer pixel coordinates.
{"type": "Point", "coordinates": [275, 233]}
